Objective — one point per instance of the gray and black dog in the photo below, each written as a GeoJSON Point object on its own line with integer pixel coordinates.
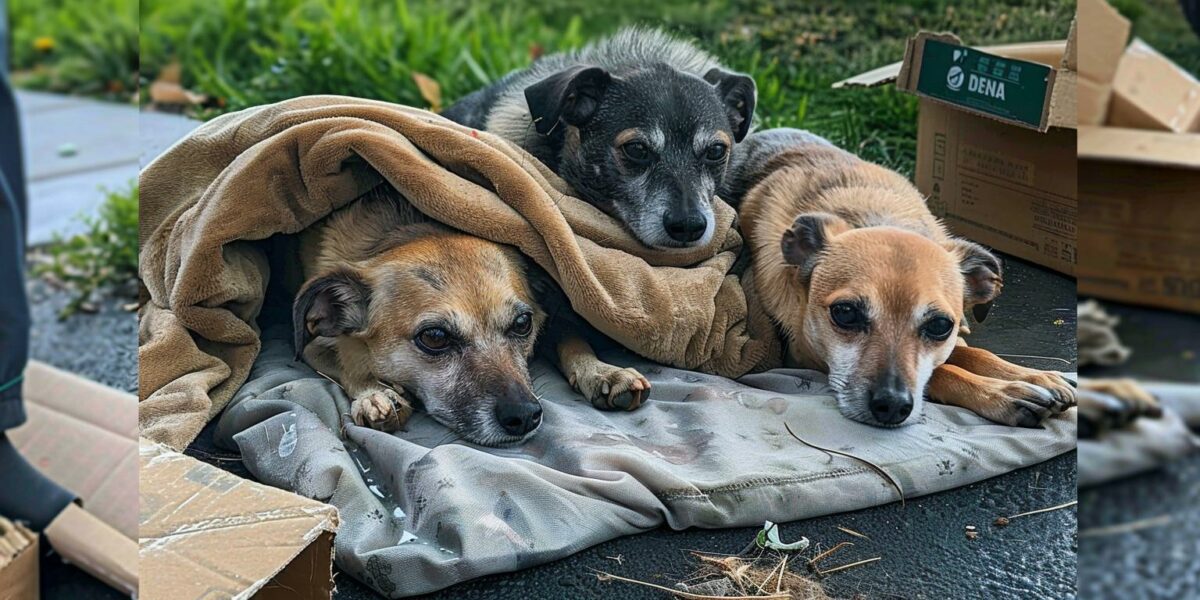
{"type": "Point", "coordinates": [640, 124]}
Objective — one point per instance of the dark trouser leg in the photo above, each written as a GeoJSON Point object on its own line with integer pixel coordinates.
{"type": "Point", "coordinates": [25, 494]}
{"type": "Point", "coordinates": [14, 310]}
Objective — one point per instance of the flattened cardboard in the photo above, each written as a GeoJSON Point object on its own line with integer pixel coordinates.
{"type": "Point", "coordinates": [83, 435]}
{"type": "Point", "coordinates": [1005, 183]}
{"type": "Point", "coordinates": [206, 533]}
{"type": "Point", "coordinates": [19, 573]}
{"type": "Point", "coordinates": [1151, 92]}
{"type": "Point", "coordinates": [1140, 217]}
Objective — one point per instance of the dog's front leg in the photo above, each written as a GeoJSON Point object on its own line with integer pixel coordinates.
{"type": "Point", "coordinates": [982, 362]}
{"type": "Point", "coordinates": [1015, 403]}
{"type": "Point", "coordinates": [606, 386]}
{"type": "Point", "coordinates": [372, 404]}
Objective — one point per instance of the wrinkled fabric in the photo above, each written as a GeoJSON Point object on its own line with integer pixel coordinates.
{"type": "Point", "coordinates": [209, 203]}
{"type": "Point", "coordinates": [422, 511]}
{"type": "Point", "coordinates": [1146, 444]}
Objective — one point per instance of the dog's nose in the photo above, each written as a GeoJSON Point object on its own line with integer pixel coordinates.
{"type": "Point", "coordinates": [518, 418]}
{"type": "Point", "coordinates": [685, 226]}
{"type": "Point", "coordinates": [890, 406]}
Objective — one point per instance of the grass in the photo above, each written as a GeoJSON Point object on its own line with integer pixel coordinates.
{"type": "Point", "coordinates": [76, 46]}
{"type": "Point", "coordinates": [101, 258]}
{"type": "Point", "coordinates": [242, 54]}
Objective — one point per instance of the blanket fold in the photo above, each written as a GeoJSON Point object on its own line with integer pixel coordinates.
{"type": "Point", "coordinates": [209, 202]}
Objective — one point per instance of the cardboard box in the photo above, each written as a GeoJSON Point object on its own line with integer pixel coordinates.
{"type": "Point", "coordinates": [82, 435]}
{"type": "Point", "coordinates": [18, 562]}
{"type": "Point", "coordinates": [996, 141]}
{"type": "Point", "coordinates": [1139, 227]}
{"type": "Point", "coordinates": [206, 534]}
{"type": "Point", "coordinates": [1139, 221]}
{"type": "Point", "coordinates": [1151, 92]}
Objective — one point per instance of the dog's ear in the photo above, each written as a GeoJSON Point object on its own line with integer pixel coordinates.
{"type": "Point", "coordinates": [982, 275]}
{"type": "Point", "coordinates": [738, 93]}
{"type": "Point", "coordinates": [328, 306]}
{"type": "Point", "coordinates": [572, 95]}
{"type": "Point", "coordinates": [810, 233]}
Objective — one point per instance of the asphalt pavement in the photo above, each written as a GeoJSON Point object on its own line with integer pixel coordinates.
{"type": "Point", "coordinates": [1155, 552]}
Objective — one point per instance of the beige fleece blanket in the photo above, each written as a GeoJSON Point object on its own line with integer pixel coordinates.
{"type": "Point", "coordinates": [209, 202]}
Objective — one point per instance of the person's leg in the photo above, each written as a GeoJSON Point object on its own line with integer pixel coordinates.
{"type": "Point", "coordinates": [14, 310]}
{"type": "Point", "coordinates": [25, 494]}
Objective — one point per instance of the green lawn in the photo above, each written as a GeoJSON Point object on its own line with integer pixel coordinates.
{"type": "Point", "coordinates": [241, 53]}
{"type": "Point", "coordinates": [247, 53]}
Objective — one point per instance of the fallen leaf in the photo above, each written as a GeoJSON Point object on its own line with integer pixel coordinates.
{"type": "Point", "coordinates": [166, 92]}
{"type": "Point", "coordinates": [430, 90]}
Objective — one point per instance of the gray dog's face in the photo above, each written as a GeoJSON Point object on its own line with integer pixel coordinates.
{"type": "Point", "coordinates": [649, 148]}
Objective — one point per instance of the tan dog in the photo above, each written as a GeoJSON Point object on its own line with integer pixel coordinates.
{"type": "Point", "coordinates": [397, 310]}
{"type": "Point", "coordinates": [867, 286]}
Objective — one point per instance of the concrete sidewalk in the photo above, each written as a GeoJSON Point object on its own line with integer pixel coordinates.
{"type": "Point", "coordinates": [75, 148]}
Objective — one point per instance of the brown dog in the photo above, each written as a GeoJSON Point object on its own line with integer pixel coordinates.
{"type": "Point", "coordinates": [397, 309]}
{"type": "Point", "coordinates": [867, 286]}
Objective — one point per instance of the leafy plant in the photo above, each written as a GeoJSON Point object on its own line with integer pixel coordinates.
{"type": "Point", "coordinates": [103, 257]}
{"type": "Point", "coordinates": [77, 46]}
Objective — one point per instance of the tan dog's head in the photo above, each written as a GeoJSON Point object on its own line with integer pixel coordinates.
{"type": "Point", "coordinates": [884, 307]}
{"type": "Point", "coordinates": [449, 319]}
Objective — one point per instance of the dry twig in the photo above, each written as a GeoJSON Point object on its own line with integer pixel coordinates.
{"type": "Point", "coordinates": [870, 464]}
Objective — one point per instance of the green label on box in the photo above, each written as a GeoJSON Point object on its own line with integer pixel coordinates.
{"type": "Point", "coordinates": [1010, 89]}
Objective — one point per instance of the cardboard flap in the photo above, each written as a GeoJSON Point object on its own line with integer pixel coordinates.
{"type": "Point", "coordinates": [1014, 83]}
{"type": "Point", "coordinates": [1152, 92]}
{"type": "Point", "coordinates": [1103, 35]}
{"type": "Point", "coordinates": [94, 546]}
{"type": "Point", "coordinates": [1048, 53]}
{"type": "Point", "coordinates": [208, 533]}
{"type": "Point", "coordinates": [1140, 146]}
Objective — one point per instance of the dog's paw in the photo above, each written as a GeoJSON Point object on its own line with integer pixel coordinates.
{"type": "Point", "coordinates": [1020, 404]}
{"type": "Point", "coordinates": [1106, 404]}
{"type": "Point", "coordinates": [1061, 388]}
{"type": "Point", "coordinates": [612, 388]}
{"type": "Point", "coordinates": [383, 409]}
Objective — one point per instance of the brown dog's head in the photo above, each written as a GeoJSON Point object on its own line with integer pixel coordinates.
{"type": "Point", "coordinates": [449, 319]}
{"type": "Point", "coordinates": [884, 307]}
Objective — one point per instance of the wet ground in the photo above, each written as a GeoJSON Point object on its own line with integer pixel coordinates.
{"type": "Point", "coordinates": [1160, 557]}
{"type": "Point", "coordinates": [925, 552]}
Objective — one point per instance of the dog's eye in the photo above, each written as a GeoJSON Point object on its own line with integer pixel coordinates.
{"type": "Point", "coordinates": [716, 153]}
{"type": "Point", "coordinates": [433, 340]}
{"type": "Point", "coordinates": [938, 328]}
{"type": "Point", "coordinates": [636, 151]}
{"type": "Point", "coordinates": [847, 316]}
{"type": "Point", "coordinates": [522, 325]}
